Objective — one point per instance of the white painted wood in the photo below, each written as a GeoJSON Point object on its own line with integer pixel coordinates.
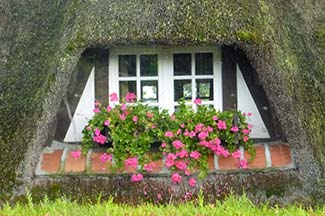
{"type": "Point", "coordinates": [246, 104]}
{"type": "Point", "coordinates": [84, 111]}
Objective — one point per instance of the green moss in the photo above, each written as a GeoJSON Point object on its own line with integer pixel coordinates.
{"type": "Point", "coordinates": [41, 40]}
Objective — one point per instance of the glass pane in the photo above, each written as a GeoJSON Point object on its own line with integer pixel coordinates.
{"type": "Point", "coordinates": [204, 63]}
{"type": "Point", "coordinates": [127, 65]}
{"type": "Point", "coordinates": [149, 91]}
{"type": "Point", "coordinates": [127, 86]}
{"type": "Point", "coordinates": [182, 64]}
{"type": "Point", "coordinates": [183, 88]}
{"type": "Point", "coordinates": [205, 89]}
{"type": "Point", "coordinates": [149, 65]}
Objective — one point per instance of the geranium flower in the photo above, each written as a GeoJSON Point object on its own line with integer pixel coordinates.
{"type": "Point", "coordinates": [203, 135]}
{"type": "Point", "coordinates": [96, 110]}
{"type": "Point", "coordinates": [181, 165]}
{"type": "Point", "coordinates": [113, 97]}
{"type": "Point", "coordinates": [182, 154]}
{"type": "Point", "coordinates": [149, 115]}
{"type": "Point", "coordinates": [106, 122]}
{"type": "Point", "coordinates": [137, 177]}
{"type": "Point", "coordinates": [246, 131]}
{"type": "Point", "coordinates": [236, 154]}
{"type": "Point", "coordinates": [108, 108]}
{"type": "Point", "coordinates": [130, 97]}
{"type": "Point", "coordinates": [148, 167]}
{"type": "Point", "coordinates": [192, 182]}
{"type": "Point", "coordinates": [214, 118]}
{"type": "Point", "coordinates": [131, 162]}
{"type": "Point", "coordinates": [176, 178]}
{"type": "Point", "coordinates": [135, 118]}
{"type": "Point", "coordinates": [197, 101]}
{"type": "Point", "coordinates": [76, 154]}
{"type": "Point", "coordinates": [243, 164]}
{"type": "Point", "coordinates": [246, 138]}
{"type": "Point", "coordinates": [195, 155]}
{"type": "Point", "coordinates": [178, 144]}
{"type": "Point", "coordinates": [234, 129]}
{"type": "Point", "coordinates": [97, 103]}
{"type": "Point", "coordinates": [222, 125]}
{"type": "Point", "coordinates": [105, 157]}
{"type": "Point", "coordinates": [169, 162]}
{"type": "Point", "coordinates": [122, 117]}
{"type": "Point", "coordinates": [169, 134]}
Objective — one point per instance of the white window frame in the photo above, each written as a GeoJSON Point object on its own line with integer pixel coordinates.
{"type": "Point", "coordinates": [166, 73]}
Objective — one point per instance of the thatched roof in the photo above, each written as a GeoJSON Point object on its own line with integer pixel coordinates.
{"type": "Point", "coordinates": [41, 41]}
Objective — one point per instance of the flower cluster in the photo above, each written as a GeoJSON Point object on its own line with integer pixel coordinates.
{"type": "Point", "coordinates": [193, 136]}
{"type": "Point", "coordinates": [187, 137]}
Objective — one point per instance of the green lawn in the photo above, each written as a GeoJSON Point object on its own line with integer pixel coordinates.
{"type": "Point", "coordinates": [231, 206]}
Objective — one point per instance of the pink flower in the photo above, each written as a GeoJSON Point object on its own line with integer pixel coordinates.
{"type": "Point", "coordinates": [234, 129]}
{"type": "Point", "coordinates": [169, 162]}
{"type": "Point", "coordinates": [243, 164]}
{"type": "Point", "coordinates": [221, 151]}
{"type": "Point", "coordinates": [149, 115]}
{"type": "Point", "coordinates": [209, 129]}
{"type": "Point", "coordinates": [122, 117]}
{"type": "Point", "coordinates": [187, 172]}
{"type": "Point", "coordinates": [76, 154]}
{"type": "Point", "coordinates": [106, 123]}
{"type": "Point", "coordinates": [214, 118]}
{"type": "Point", "coordinates": [123, 107]}
{"type": "Point", "coordinates": [182, 154]}
{"type": "Point", "coordinates": [249, 114]}
{"type": "Point", "coordinates": [195, 155]}
{"type": "Point", "coordinates": [131, 162]}
{"type": "Point", "coordinates": [96, 110]}
{"type": "Point", "coordinates": [137, 177]}
{"type": "Point", "coordinates": [181, 165]}
{"type": "Point", "coordinates": [113, 97]}
{"type": "Point", "coordinates": [236, 154]}
{"type": "Point", "coordinates": [153, 126]}
{"type": "Point", "coordinates": [130, 97]}
{"type": "Point", "coordinates": [172, 117]}
{"type": "Point", "coordinates": [250, 126]}
{"type": "Point", "coordinates": [101, 139]}
{"type": "Point", "coordinates": [246, 131]}
{"type": "Point", "coordinates": [88, 128]}
{"type": "Point", "coordinates": [178, 144]}
{"type": "Point", "coordinates": [108, 108]}
{"type": "Point", "coordinates": [97, 131]}
{"type": "Point", "coordinates": [97, 103]}
{"type": "Point", "coordinates": [159, 196]}
{"type": "Point", "coordinates": [197, 101]}
{"type": "Point", "coordinates": [221, 125]}
{"type": "Point", "coordinates": [179, 131]}
{"type": "Point", "coordinates": [171, 156]}
{"type": "Point", "coordinates": [148, 167]}
{"type": "Point", "coordinates": [243, 113]}
{"type": "Point", "coordinates": [192, 182]}
{"type": "Point", "coordinates": [204, 143]}
{"type": "Point", "coordinates": [135, 118]}
{"type": "Point", "coordinates": [169, 134]}
{"type": "Point", "coordinates": [182, 125]}
{"type": "Point", "coordinates": [246, 138]}
{"type": "Point", "coordinates": [192, 134]}
{"type": "Point", "coordinates": [163, 145]}
{"type": "Point", "coordinates": [105, 157]}
{"type": "Point", "coordinates": [176, 178]}
{"type": "Point", "coordinates": [203, 135]}
{"type": "Point", "coordinates": [198, 127]}
{"type": "Point", "coordinates": [217, 141]}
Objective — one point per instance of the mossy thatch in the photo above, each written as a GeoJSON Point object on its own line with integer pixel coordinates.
{"type": "Point", "coordinates": [41, 41]}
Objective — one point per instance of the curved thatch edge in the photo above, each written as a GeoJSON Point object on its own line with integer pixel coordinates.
{"type": "Point", "coordinates": [41, 43]}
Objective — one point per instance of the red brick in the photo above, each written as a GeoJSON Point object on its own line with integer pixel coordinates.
{"type": "Point", "coordinates": [51, 161]}
{"type": "Point", "coordinates": [97, 165]}
{"type": "Point", "coordinates": [75, 164]}
{"type": "Point", "coordinates": [259, 160]}
{"type": "Point", "coordinates": [280, 155]}
{"type": "Point", "coordinates": [227, 163]}
{"type": "Point", "coordinates": [211, 161]}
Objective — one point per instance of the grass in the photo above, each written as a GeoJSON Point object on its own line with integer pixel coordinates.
{"type": "Point", "coordinates": [232, 205]}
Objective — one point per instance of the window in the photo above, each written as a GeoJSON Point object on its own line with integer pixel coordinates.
{"type": "Point", "coordinates": [161, 76]}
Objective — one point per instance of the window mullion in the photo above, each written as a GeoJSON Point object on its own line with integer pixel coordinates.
{"type": "Point", "coordinates": [194, 93]}
{"type": "Point", "coordinates": [138, 77]}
